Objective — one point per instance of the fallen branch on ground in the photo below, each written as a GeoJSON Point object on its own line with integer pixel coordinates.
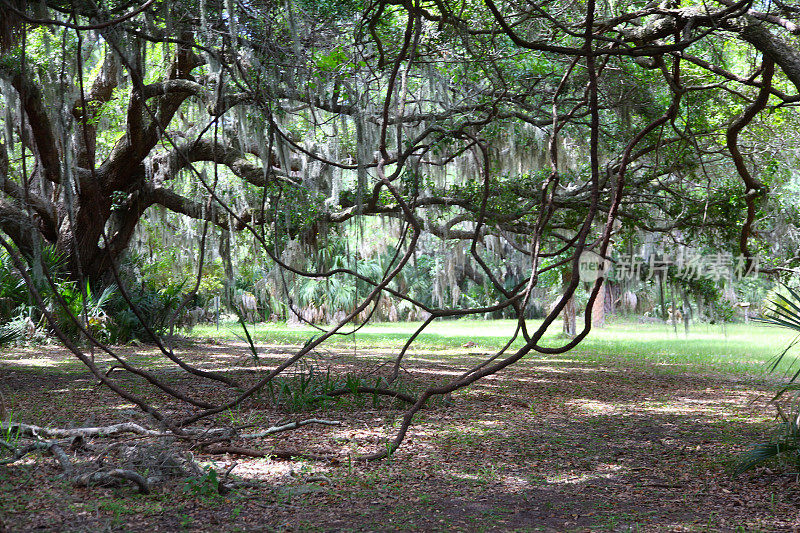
{"type": "Point", "coordinates": [61, 457]}
{"type": "Point", "coordinates": [112, 478]}
{"type": "Point", "coordinates": [47, 446]}
{"type": "Point", "coordinates": [287, 427]}
{"type": "Point", "coordinates": [275, 454]}
{"type": "Point", "coordinates": [368, 390]}
{"type": "Point", "coordinates": [105, 478]}
{"type": "Point", "coordinates": [29, 430]}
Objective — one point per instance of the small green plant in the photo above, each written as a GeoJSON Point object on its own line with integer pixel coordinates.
{"type": "Point", "coordinates": [205, 486]}
{"type": "Point", "coordinates": [10, 436]}
{"type": "Point", "coordinates": [247, 337]}
{"type": "Point", "coordinates": [303, 389]}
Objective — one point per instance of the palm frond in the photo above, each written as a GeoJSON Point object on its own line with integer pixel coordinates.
{"type": "Point", "coordinates": [784, 312]}
{"type": "Point", "coordinates": [757, 455]}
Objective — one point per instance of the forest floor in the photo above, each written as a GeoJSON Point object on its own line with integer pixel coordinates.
{"type": "Point", "coordinates": [567, 443]}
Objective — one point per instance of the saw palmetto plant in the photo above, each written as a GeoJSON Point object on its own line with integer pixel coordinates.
{"type": "Point", "coordinates": [783, 311]}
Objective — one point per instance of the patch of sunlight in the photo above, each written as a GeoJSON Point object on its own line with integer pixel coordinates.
{"type": "Point", "coordinates": [531, 380]}
{"type": "Point", "coordinates": [438, 372]}
{"type": "Point", "coordinates": [28, 460]}
{"type": "Point", "coordinates": [222, 355]}
{"type": "Point", "coordinates": [593, 406]}
{"type": "Point", "coordinates": [466, 477]}
{"type": "Point", "coordinates": [515, 482]}
{"type": "Point", "coordinates": [571, 369]}
{"type": "Point", "coordinates": [571, 477]}
{"type": "Point", "coordinates": [260, 469]}
{"type": "Point", "coordinates": [32, 362]}
{"type": "Point", "coordinates": [418, 359]}
{"type": "Point", "coordinates": [122, 406]}
{"type": "Point", "coordinates": [560, 361]}
{"type": "Point", "coordinates": [714, 402]}
{"type": "Point", "coordinates": [225, 355]}
{"type": "Point", "coordinates": [681, 409]}
{"type": "Point", "coordinates": [549, 369]}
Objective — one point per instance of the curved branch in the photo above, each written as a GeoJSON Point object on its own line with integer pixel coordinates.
{"type": "Point", "coordinates": [185, 206]}
{"type": "Point", "coordinates": [15, 223]}
{"type": "Point", "coordinates": [168, 164]}
{"type": "Point", "coordinates": [754, 187]}
{"type": "Point", "coordinates": [98, 26]}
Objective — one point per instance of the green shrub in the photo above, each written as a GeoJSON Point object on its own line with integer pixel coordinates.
{"type": "Point", "coordinates": [155, 306]}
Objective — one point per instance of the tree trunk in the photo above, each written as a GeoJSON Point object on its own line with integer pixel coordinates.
{"type": "Point", "coordinates": [599, 308]}
{"type": "Point", "coordinates": [674, 311]}
{"type": "Point", "coordinates": [569, 310]}
{"type": "Point", "coordinates": [687, 310]}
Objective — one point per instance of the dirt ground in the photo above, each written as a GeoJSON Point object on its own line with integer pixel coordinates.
{"type": "Point", "coordinates": [554, 444]}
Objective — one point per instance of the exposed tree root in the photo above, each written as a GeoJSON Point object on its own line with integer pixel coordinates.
{"type": "Point", "coordinates": [47, 446]}
{"type": "Point", "coordinates": [98, 477]}
{"type": "Point", "coordinates": [156, 459]}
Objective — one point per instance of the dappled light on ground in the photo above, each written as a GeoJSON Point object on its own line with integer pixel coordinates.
{"type": "Point", "coordinates": [557, 444]}
{"type": "Point", "coordinates": [32, 362]}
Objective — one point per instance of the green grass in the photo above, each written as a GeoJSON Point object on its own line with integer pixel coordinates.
{"type": "Point", "coordinates": [729, 348]}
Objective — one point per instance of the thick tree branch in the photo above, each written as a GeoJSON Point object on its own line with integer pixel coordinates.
{"type": "Point", "coordinates": [28, 430]}
{"type": "Point", "coordinates": [15, 223]}
{"type": "Point", "coordinates": [146, 122]}
{"type": "Point", "coordinates": [776, 49]}
{"type": "Point", "coordinates": [38, 120]}
{"type": "Point", "coordinates": [191, 208]}
{"type": "Point", "coordinates": [167, 165]}
{"type": "Point", "coordinates": [87, 110]}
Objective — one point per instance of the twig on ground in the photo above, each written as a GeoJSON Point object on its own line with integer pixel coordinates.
{"type": "Point", "coordinates": [223, 487]}
{"type": "Point", "coordinates": [228, 471]}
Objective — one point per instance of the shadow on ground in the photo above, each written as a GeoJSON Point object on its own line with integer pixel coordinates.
{"type": "Point", "coordinates": [550, 445]}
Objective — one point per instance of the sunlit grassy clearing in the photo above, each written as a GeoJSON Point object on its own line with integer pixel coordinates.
{"type": "Point", "coordinates": [737, 348]}
{"type": "Point", "coordinates": [729, 348]}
